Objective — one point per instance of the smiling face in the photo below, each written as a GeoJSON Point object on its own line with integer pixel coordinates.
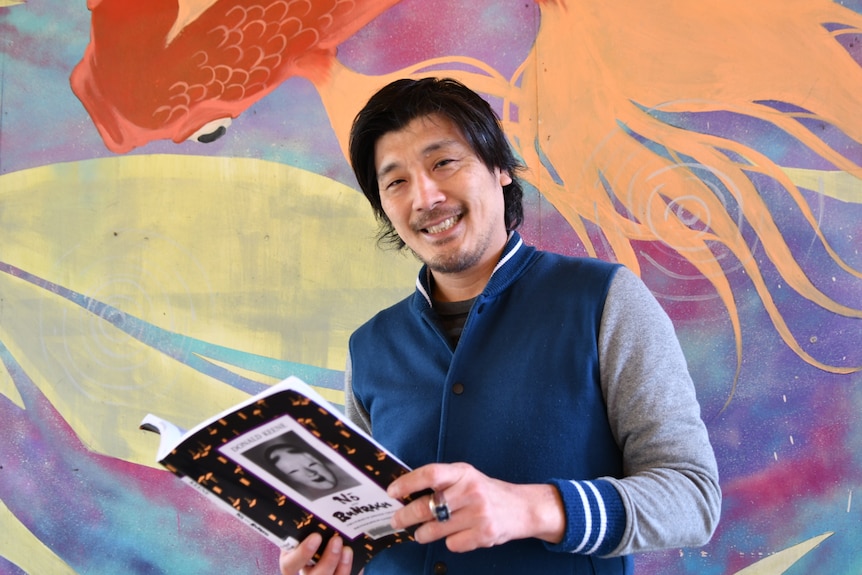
{"type": "Point", "coordinates": [442, 200]}
{"type": "Point", "coordinates": [302, 468]}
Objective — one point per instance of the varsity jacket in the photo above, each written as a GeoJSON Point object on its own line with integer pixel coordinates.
{"type": "Point", "coordinates": [548, 384]}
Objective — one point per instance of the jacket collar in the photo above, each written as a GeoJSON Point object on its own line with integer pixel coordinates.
{"type": "Point", "coordinates": [515, 256]}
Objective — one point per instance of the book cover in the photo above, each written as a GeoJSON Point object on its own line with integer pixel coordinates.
{"type": "Point", "coordinates": [288, 463]}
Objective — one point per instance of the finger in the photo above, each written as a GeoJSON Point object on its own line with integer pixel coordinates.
{"type": "Point", "coordinates": [292, 561]}
{"type": "Point", "coordinates": [434, 476]}
{"type": "Point", "coordinates": [345, 564]}
{"type": "Point", "coordinates": [429, 511]}
{"type": "Point", "coordinates": [414, 513]}
{"type": "Point", "coordinates": [336, 559]}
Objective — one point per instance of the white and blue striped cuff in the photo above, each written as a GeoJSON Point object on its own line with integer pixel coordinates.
{"type": "Point", "coordinates": [595, 517]}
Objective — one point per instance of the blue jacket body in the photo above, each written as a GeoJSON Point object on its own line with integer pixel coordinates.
{"type": "Point", "coordinates": [519, 397]}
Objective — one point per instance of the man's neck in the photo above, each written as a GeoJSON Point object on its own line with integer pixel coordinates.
{"type": "Point", "coordinates": [464, 285]}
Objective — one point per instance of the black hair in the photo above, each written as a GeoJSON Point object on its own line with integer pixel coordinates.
{"type": "Point", "coordinates": [399, 103]}
{"type": "Point", "coordinates": [289, 447]}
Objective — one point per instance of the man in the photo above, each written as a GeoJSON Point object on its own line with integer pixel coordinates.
{"type": "Point", "coordinates": [544, 399]}
{"type": "Point", "coordinates": [306, 472]}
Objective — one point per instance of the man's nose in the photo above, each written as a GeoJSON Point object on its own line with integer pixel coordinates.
{"type": "Point", "coordinates": [426, 193]}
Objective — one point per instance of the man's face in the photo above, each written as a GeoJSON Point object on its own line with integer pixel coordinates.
{"type": "Point", "coordinates": [441, 199]}
{"type": "Point", "coordinates": [303, 469]}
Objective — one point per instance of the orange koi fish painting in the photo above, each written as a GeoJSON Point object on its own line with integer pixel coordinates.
{"type": "Point", "coordinates": [161, 70]}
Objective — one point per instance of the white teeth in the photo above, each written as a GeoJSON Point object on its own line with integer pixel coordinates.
{"type": "Point", "coordinates": [442, 226]}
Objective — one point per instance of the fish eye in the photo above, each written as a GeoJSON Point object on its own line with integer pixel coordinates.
{"type": "Point", "coordinates": [211, 131]}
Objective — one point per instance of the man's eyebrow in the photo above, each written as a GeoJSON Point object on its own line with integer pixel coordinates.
{"type": "Point", "coordinates": [385, 169]}
{"type": "Point", "coordinates": [438, 145]}
{"type": "Point", "coordinates": [430, 148]}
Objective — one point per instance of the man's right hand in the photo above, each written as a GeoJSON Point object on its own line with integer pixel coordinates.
{"type": "Point", "coordinates": [337, 559]}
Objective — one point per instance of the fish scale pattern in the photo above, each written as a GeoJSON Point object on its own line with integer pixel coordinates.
{"type": "Point", "coordinates": [249, 46]}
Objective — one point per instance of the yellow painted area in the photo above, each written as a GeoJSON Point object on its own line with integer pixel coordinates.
{"type": "Point", "coordinates": [839, 185]}
{"type": "Point", "coordinates": [332, 395]}
{"type": "Point", "coordinates": [7, 387]}
{"type": "Point", "coordinates": [4, 3]}
{"type": "Point", "coordinates": [19, 546]}
{"type": "Point", "coordinates": [780, 562]}
{"type": "Point", "coordinates": [251, 255]}
{"type": "Point", "coordinates": [187, 12]}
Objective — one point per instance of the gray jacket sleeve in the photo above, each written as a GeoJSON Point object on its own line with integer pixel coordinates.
{"type": "Point", "coordinates": [352, 409]}
{"type": "Point", "coordinates": [670, 487]}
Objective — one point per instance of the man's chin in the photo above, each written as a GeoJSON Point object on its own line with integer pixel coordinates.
{"type": "Point", "coordinates": [452, 264]}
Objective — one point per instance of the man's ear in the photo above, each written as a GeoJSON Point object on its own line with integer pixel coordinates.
{"type": "Point", "coordinates": [505, 178]}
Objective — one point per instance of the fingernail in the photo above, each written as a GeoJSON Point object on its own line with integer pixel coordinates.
{"type": "Point", "coordinates": [347, 556]}
{"type": "Point", "coordinates": [337, 544]}
{"type": "Point", "coordinates": [313, 541]}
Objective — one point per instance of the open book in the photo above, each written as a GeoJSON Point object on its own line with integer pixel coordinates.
{"type": "Point", "coordinates": [288, 463]}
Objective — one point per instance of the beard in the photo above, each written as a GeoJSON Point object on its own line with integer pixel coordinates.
{"type": "Point", "coordinates": [451, 263]}
{"type": "Point", "coordinates": [457, 260]}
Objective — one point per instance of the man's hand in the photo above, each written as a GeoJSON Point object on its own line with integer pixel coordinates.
{"type": "Point", "coordinates": [484, 511]}
{"type": "Point", "coordinates": [336, 559]}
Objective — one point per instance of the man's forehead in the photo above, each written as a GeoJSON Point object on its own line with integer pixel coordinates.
{"type": "Point", "coordinates": [432, 133]}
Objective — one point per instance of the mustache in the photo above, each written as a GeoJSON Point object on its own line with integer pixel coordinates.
{"type": "Point", "coordinates": [434, 216]}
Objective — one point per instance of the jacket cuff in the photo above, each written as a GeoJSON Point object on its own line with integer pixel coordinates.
{"type": "Point", "coordinates": [595, 517]}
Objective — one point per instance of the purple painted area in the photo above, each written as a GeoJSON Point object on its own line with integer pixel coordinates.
{"type": "Point", "coordinates": [499, 34]}
{"type": "Point", "coordinates": [107, 515]}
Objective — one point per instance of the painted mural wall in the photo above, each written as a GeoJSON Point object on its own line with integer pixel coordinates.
{"type": "Point", "coordinates": [715, 147]}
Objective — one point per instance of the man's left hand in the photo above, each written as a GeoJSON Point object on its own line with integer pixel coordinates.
{"type": "Point", "coordinates": [483, 511]}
